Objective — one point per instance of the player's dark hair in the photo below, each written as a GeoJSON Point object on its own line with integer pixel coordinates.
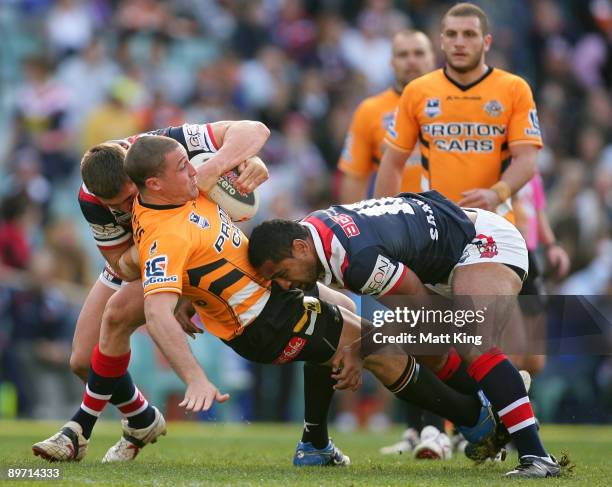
{"type": "Point", "coordinates": [469, 10]}
{"type": "Point", "coordinates": [146, 158]}
{"type": "Point", "coordinates": [102, 169]}
{"type": "Point", "coordinates": [272, 240]}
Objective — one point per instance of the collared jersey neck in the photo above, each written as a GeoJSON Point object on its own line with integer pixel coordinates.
{"type": "Point", "coordinates": [469, 85]}
{"type": "Point", "coordinates": [158, 207]}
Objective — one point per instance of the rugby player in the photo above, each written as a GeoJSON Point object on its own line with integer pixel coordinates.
{"type": "Point", "coordinates": [188, 245]}
{"type": "Point", "coordinates": [412, 56]}
{"type": "Point", "coordinates": [469, 252]}
{"type": "Point", "coordinates": [476, 125]}
{"type": "Point", "coordinates": [106, 198]}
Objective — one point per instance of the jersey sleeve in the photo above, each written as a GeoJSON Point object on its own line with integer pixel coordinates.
{"type": "Point", "coordinates": [374, 273]}
{"type": "Point", "coordinates": [524, 126]}
{"type": "Point", "coordinates": [163, 258]}
{"type": "Point", "coordinates": [403, 131]}
{"type": "Point", "coordinates": [357, 156]}
{"type": "Point", "coordinates": [107, 233]}
{"type": "Point", "coordinates": [195, 138]}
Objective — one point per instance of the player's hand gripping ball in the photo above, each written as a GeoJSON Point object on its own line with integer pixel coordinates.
{"type": "Point", "coordinates": [239, 206]}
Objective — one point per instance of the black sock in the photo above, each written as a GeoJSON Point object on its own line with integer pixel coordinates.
{"type": "Point", "coordinates": [318, 391]}
{"type": "Point", "coordinates": [420, 386]}
{"type": "Point", "coordinates": [454, 373]}
{"type": "Point", "coordinates": [463, 382]}
{"type": "Point", "coordinates": [504, 387]}
{"type": "Point", "coordinates": [129, 400]}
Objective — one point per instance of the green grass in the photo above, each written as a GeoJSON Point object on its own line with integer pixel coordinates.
{"type": "Point", "coordinates": [260, 454]}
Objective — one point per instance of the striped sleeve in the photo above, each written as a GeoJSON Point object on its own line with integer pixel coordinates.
{"type": "Point", "coordinates": [107, 233]}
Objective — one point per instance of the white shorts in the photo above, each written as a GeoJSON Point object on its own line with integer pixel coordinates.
{"type": "Point", "coordinates": [497, 240]}
{"type": "Point", "coordinates": [109, 279]}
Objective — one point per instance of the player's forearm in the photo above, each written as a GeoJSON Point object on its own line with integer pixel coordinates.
{"type": "Point", "coordinates": [172, 341]}
{"type": "Point", "coordinates": [113, 257]}
{"type": "Point", "coordinates": [521, 169]}
{"type": "Point", "coordinates": [239, 141]}
{"type": "Point", "coordinates": [128, 264]}
{"type": "Point", "coordinates": [546, 236]}
{"type": "Point", "coordinates": [389, 177]}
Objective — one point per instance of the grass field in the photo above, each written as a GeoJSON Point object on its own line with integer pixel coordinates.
{"type": "Point", "coordinates": [260, 454]}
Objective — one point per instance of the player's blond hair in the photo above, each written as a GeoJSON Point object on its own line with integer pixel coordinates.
{"type": "Point", "coordinates": [146, 158]}
{"type": "Point", "coordinates": [102, 169]}
{"type": "Point", "coordinates": [467, 9]}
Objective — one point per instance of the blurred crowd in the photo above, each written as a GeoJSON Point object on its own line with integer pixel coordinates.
{"type": "Point", "coordinates": [77, 72]}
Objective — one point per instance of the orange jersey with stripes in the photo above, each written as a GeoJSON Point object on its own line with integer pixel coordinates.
{"type": "Point", "coordinates": [363, 147]}
{"type": "Point", "coordinates": [195, 250]}
{"type": "Point", "coordinates": [465, 131]}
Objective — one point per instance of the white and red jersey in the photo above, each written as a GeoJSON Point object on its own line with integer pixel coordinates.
{"type": "Point", "coordinates": [112, 228]}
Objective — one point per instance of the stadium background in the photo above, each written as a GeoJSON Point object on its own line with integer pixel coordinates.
{"type": "Point", "coordinates": [76, 72]}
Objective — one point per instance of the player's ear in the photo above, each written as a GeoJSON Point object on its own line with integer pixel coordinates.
{"type": "Point", "coordinates": [152, 183]}
{"type": "Point", "coordinates": [132, 186]}
{"type": "Point", "coordinates": [488, 40]}
{"type": "Point", "coordinates": [299, 248]}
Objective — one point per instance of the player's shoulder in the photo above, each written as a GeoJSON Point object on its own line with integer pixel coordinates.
{"type": "Point", "coordinates": [427, 81]}
{"type": "Point", "coordinates": [376, 104]}
{"type": "Point", "coordinates": [92, 208]}
{"type": "Point", "coordinates": [86, 196]}
{"type": "Point", "coordinates": [503, 78]}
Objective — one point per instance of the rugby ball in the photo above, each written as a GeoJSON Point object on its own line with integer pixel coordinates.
{"type": "Point", "coordinates": [239, 206]}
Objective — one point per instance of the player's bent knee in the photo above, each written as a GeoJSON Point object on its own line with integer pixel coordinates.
{"type": "Point", "coordinates": [119, 316]}
{"type": "Point", "coordinates": [79, 364]}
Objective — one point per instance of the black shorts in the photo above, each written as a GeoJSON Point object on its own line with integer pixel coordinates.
{"type": "Point", "coordinates": [292, 326]}
{"type": "Point", "coordinates": [532, 297]}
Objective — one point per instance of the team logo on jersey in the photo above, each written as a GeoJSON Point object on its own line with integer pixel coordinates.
{"type": "Point", "coordinates": [153, 249]}
{"type": "Point", "coordinates": [155, 271]}
{"type": "Point", "coordinates": [534, 130]}
{"type": "Point", "coordinates": [312, 304]}
{"type": "Point", "coordinates": [347, 224]}
{"type": "Point", "coordinates": [121, 217]}
{"type": "Point", "coordinates": [391, 127]}
{"type": "Point", "coordinates": [291, 351]}
{"type": "Point", "coordinates": [494, 108]}
{"type": "Point", "coordinates": [487, 247]}
{"type": "Point", "coordinates": [199, 220]}
{"type": "Point", "coordinates": [432, 107]}
{"type": "Point", "coordinates": [383, 271]}
{"type": "Point", "coordinates": [387, 119]}
{"type": "Point", "coordinates": [346, 149]}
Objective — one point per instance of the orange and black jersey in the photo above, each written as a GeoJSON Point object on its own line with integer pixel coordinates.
{"type": "Point", "coordinates": [363, 147]}
{"type": "Point", "coordinates": [465, 132]}
{"type": "Point", "coordinates": [195, 250]}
